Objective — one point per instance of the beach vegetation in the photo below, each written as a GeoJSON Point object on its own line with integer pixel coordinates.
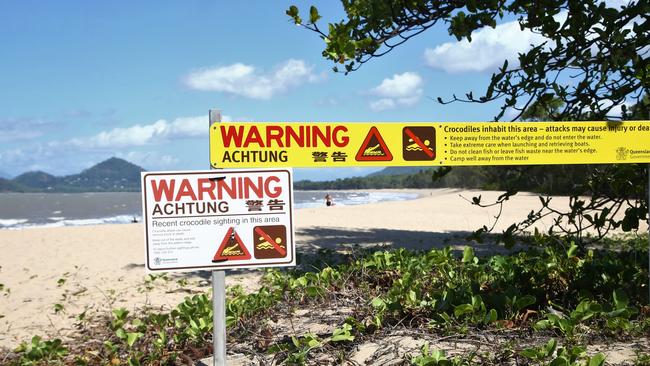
{"type": "Point", "coordinates": [642, 359]}
{"type": "Point", "coordinates": [39, 351]}
{"type": "Point", "coordinates": [543, 305]}
{"type": "Point", "coordinates": [4, 289]}
{"type": "Point", "coordinates": [436, 357]}
{"type": "Point", "coordinates": [58, 308]}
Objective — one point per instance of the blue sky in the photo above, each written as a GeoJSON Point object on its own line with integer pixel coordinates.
{"type": "Point", "coordinates": [86, 80]}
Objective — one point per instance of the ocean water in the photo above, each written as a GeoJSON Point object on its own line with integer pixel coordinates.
{"type": "Point", "coordinates": [20, 210]}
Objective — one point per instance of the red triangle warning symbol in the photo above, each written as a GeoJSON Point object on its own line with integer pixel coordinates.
{"type": "Point", "coordinates": [374, 148]}
{"type": "Point", "coordinates": [231, 247]}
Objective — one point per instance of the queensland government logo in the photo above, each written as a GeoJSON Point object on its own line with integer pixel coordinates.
{"type": "Point", "coordinates": [158, 261]}
{"type": "Point", "coordinates": [622, 153]}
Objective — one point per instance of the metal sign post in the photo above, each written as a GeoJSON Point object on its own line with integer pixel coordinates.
{"type": "Point", "coordinates": [218, 294]}
{"type": "Point", "coordinates": [219, 317]}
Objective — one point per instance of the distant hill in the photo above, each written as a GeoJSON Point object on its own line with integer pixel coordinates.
{"type": "Point", "coordinates": [36, 180]}
{"type": "Point", "coordinates": [7, 185]}
{"type": "Point", "coordinates": [112, 175]}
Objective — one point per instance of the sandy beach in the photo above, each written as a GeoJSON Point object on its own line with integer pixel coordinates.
{"type": "Point", "coordinates": [90, 270]}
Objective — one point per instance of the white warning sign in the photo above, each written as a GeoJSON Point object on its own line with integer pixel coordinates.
{"type": "Point", "coordinates": [218, 219]}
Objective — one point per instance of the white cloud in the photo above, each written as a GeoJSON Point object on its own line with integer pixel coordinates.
{"type": "Point", "coordinates": [150, 160]}
{"type": "Point", "coordinates": [487, 51]}
{"type": "Point", "coordinates": [617, 110]}
{"type": "Point", "coordinates": [247, 81]}
{"type": "Point", "coordinates": [14, 129]}
{"type": "Point", "coordinates": [401, 90]}
{"type": "Point", "coordinates": [382, 104]}
{"type": "Point", "coordinates": [139, 135]}
{"type": "Point", "coordinates": [491, 46]}
{"type": "Point", "coordinates": [72, 155]}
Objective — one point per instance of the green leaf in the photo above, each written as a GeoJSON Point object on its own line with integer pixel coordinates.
{"type": "Point", "coordinates": [412, 296]}
{"type": "Point", "coordinates": [293, 13]}
{"type": "Point", "coordinates": [295, 341]}
{"type": "Point", "coordinates": [120, 313]}
{"type": "Point", "coordinates": [542, 324]}
{"type": "Point", "coordinates": [560, 361]}
{"type": "Point", "coordinates": [339, 337]}
{"type": "Point", "coordinates": [529, 353]}
{"type": "Point", "coordinates": [131, 338]}
{"type": "Point", "coordinates": [121, 334]}
{"type": "Point", "coordinates": [378, 303]}
{"type": "Point", "coordinates": [491, 316]}
{"type": "Point", "coordinates": [550, 347]}
{"type": "Point", "coordinates": [312, 291]}
{"type": "Point", "coordinates": [463, 309]}
{"type": "Point", "coordinates": [468, 254]}
{"type": "Point", "coordinates": [621, 300]}
{"type": "Point", "coordinates": [597, 360]}
{"type": "Point", "coordinates": [302, 281]}
{"type": "Point", "coordinates": [313, 15]}
{"type": "Point", "coordinates": [313, 342]}
{"type": "Point", "coordinates": [523, 302]}
{"type": "Point", "coordinates": [572, 251]}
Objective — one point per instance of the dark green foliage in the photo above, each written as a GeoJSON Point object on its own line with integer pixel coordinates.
{"type": "Point", "coordinates": [39, 351]}
{"type": "Point", "coordinates": [595, 56]}
{"type": "Point", "coordinates": [546, 179]}
{"type": "Point", "coordinates": [561, 290]}
{"type": "Point", "coordinates": [7, 185]}
{"type": "Point", "coordinates": [399, 170]}
{"type": "Point", "coordinates": [37, 180]}
{"type": "Point", "coordinates": [422, 179]}
{"type": "Point", "coordinates": [594, 60]}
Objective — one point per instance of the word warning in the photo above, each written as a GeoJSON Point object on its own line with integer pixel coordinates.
{"type": "Point", "coordinates": [329, 144]}
{"type": "Point", "coordinates": [218, 219]}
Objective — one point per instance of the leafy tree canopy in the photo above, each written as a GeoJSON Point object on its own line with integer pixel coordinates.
{"type": "Point", "coordinates": [594, 59]}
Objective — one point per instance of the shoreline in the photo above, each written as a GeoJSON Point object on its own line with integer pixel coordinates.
{"type": "Point", "coordinates": [57, 218]}
{"type": "Point", "coordinates": [93, 269]}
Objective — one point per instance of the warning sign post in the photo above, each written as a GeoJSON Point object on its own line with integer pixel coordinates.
{"type": "Point", "coordinates": [218, 219]}
{"type": "Point", "coordinates": [329, 144]}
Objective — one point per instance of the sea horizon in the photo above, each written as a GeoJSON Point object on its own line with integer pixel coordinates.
{"type": "Point", "coordinates": [52, 209]}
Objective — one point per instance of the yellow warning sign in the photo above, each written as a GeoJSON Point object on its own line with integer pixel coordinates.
{"type": "Point", "coordinates": [332, 144]}
{"type": "Point", "coordinates": [374, 148]}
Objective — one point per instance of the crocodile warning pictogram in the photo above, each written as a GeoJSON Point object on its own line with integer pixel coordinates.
{"type": "Point", "coordinates": [374, 148]}
{"type": "Point", "coordinates": [231, 247]}
{"type": "Point", "coordinates": [270, 241]}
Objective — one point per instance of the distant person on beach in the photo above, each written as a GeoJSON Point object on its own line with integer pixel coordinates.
{"type": "Point", "coordinates": [328, 200]}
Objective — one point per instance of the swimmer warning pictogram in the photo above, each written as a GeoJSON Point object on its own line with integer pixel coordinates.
{"type": "Point", "coordinates": [270, 241]}
{"type": "Point", "coordinates": [231, 247]}
{"type": "Point", "coordinates": [374, 148]}
{"type": "Point", "coordinates": [418, 143]}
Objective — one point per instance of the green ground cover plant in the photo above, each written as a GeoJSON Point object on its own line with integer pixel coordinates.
{"type": "Point", "coordinates": [552, 293]}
